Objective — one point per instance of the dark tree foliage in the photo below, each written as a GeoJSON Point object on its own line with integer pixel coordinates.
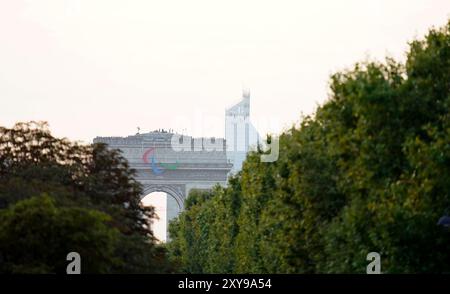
{"type": "Point", "coordinates": [88, 178]}
{"type": "Point", "coordinates": [36, 235]}
{"type": "Point", "coordinates": [369, 171]}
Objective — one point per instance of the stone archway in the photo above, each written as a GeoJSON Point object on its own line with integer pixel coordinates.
{"type": "Point", "coordinates": [159, 167]}
{"type": "Point", "coordinates": [174, 203]}
{"type": "Point", "coordinates": [175, 191]}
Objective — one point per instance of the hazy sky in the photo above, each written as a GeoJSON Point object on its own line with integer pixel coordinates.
{"type": "Point", "coordinates": [105, 67]}
{"type": "Point", "coordinates": [159, 202]}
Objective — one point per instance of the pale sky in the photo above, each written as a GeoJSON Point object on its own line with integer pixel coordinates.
{"type": "Point", "coordinates": [158, 201]}
{"type": "Point", "coordinates": [103, 67]}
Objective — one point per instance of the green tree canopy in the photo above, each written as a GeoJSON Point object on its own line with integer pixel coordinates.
{"type": "Point", "coordinates": [36, 235]}
{"type": "Point", "coordinates": [369, 171]}
{"type": "Point", "coordinates": [87, 185]}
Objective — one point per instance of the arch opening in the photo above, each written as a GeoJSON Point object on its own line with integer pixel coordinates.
{"type": "Point", "coordinates": [167, 207]}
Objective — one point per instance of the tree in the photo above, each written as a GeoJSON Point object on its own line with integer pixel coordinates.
{"type": "Point", "coordinates": [36, 235]}
{"type": "Point", "coordinates": [369, 171]}
{"type": "Point", "coordinates": [85, 179]}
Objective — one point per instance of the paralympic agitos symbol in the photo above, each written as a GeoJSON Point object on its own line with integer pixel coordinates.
{"type": "Point", "coordinates": [157, 170]}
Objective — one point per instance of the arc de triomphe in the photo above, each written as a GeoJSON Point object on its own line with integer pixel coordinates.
{"type": "Point", "coordinates": [171, 163]}
{"type": "Point", "coordinates": [175, 164]}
